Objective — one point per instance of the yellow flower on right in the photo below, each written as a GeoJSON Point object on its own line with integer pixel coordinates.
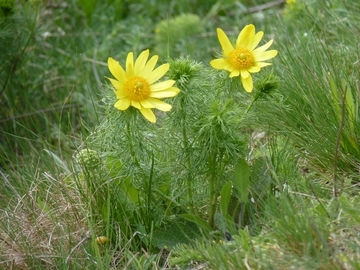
{"type": "Point", "coordinates": [244, 59]}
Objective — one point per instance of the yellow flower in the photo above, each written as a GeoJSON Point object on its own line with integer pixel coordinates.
{"type": "Point", "coordinates": [101, 240]}
{"type": "Point", "coordinates": [137, 85]}
{"type": "Point", "coordinates": [291, 3]}
{"type": "Point", "coordinates": [244, 58]}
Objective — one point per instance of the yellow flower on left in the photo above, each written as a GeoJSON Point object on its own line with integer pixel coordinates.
{"type": "Point", "coordinates": [137, 85]}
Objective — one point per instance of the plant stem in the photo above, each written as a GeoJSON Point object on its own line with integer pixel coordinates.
{"type": "Point", "coordinates": [255, 97]}
{"type": "Point", "coordinates": [129, 136]}
{"type": "Point", "coordinates": [164, 196]}
{"type": "Point", "coordinates": [337, 145]}
{"type": "Point", "coordinates": [212, 193]}
{"type": "Point", "coordinates": [188, 161]}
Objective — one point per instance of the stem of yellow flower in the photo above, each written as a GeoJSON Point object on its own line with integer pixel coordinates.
{"type": "Point", "coordinates": [216, 169]}
{"type": "Point", "coordinates": [255, 97]}
{"type": "Point", "coordinates": [129, 136]}
{"type": "Point", "coordinates": [189, 178]}
{"type": "Point", "coordinates": [212, 192]}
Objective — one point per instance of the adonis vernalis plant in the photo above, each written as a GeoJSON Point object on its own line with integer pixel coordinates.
{"type": "Point", "coordinates": [137, 85]}
{"type": "Point", "coordinates": [244, 58]}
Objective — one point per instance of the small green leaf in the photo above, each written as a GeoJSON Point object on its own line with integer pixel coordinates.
{"type": "Point", "coordinates": [113, 165]}
{"type": "Point", "coordinates": [225, 197]}
{"type": "Point", "coordinates": [245, 239]}
{"type": "Point", "coordinates": [352, 114]}
{"type": "Point", "coordinates": [220, 222]}
{"type": "Point", "coordinates": [128, 188]}
{"type": "Point", "coordinates": [199, 221]}
{"type": "Point", "coordinates": [57, 160]}
{"type": "Point", "coordinates": [350, 106]}
{"type": "Point", "coordinates": [224, 204]}
{"type": "Point", "coordinates": [242, 179]}
{"type": "Point", "coordinates": [335, 97]}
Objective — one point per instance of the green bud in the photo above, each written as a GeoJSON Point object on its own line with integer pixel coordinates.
{"type": "Point", "coordinates": [183, 70]}
{"type": "Point", "coordinates": [267, 85]}
{"type": "Point", "coordinates": [88, 159]}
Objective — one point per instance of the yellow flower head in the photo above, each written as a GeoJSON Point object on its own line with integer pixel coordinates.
{"type": "Point", "coordinates": [137, 85]}
{"type": "Point", "coordinates": [291, 3]}
{"type": "Point", "coordinates": [244, 58]}
{"type": "Point", "coordinates": [101, 240]}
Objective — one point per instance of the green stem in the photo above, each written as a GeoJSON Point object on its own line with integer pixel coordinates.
{"type": "Point", "coordinates": [214, 185]}
{"type": "Point", "coordinates": [130, 136]}
{"type": "Point", "coordinates": [212, 193]}
{"type": "Point", "coordinates": [221, 166]}
{"type": "Point", "coordinates": [255, 97]}
{"type": "Point", "coordinates": [161, 194]}
{"type": "Point", "coordinates": [188, 161]}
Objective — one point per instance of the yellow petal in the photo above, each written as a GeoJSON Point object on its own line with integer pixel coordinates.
{"type": "Point", "coordinates": [148, 114]}
{"type": "Point", "coordinates": [165, 93]}
{"type": "Point", "coordinates": [130, 59]}
{"type": "Point", "coordinates": [225, 43]}
{"type": "Point", "coordinates": [244, 73]}
{"type": "Point", "coordinates": [120, 94]}
{"type": "Point", "coordinates": [254, 69]}
{"type": "Point", "coordinates": [149, 67]}
{"type": "Point", "coordinates": [246, 36]}
{"type": "Point", "coordinates": [256, 40]}
{"type": "Point", "coordinates": [146, 104]}
{"type": "Point", "coordinates": [130, 65]}
{"type": "Point", "coordinates": [116, 70]}
{"type": "Point", "coordinates": [266, 55]}
{"type": "Point", "coordinates": [263, 48]}
{"type": "Point", "coordinates": [141, 61]}
{"type": "Point", "coordinates": [160, 105]}
{"type": "Point", "coordinates": [122, 104]}
{"type": "Point", "coordinates": [162, 85]}
{"type": "Point", "coordinates": [247, 83]}
{"type": "Point", "coordinates": [263, 64]}
{"type": "Point", "coordinates": [234, 73]}
{"type": "Point", "coordinates": [221, 64]}
{"type": "Point", "coordinates": [117, 85]}
{"type": "Point", "coordinates": [136, 104]}
{"type": "Point", "coordinates": [158, 73]}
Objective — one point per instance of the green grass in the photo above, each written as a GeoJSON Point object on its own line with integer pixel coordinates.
{"type": "Point", "coordinates": [225, 180]}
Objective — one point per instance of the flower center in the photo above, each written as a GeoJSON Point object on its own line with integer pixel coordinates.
{"type": "Point", "coordinates": [241, 58]}
{"type": "Point", "coordinates": [137, 88]}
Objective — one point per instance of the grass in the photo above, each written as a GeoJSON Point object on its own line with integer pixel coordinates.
{"type": "Point", "coordinates": [225, 180]}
